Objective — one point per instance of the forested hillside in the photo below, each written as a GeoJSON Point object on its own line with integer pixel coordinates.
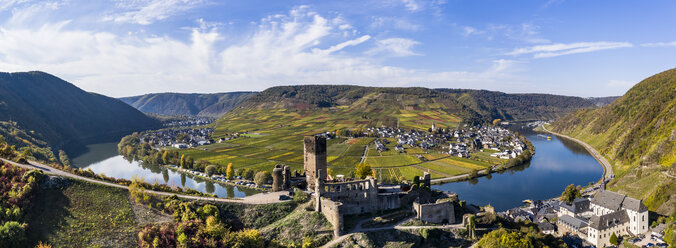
{"type": "Point", "coordinates": [61, 113]}
{"type": "Point", "coordinates": [637, 133]}
{"type": "Point", "coordinates": [187, 104]}
{"type": "Point", "coordinates": [498, 105]}
{"type": "Point", "coordinates": [474, 105]}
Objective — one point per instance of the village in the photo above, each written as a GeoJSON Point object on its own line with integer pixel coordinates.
{"type": "Point", "coordinates": [178, 138]}
{"type": "Point", "coordinates": [459, 142]}
{"type": "Point", "coordinates": [591, 220]}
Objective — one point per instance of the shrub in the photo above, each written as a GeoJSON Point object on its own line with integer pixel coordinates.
{"type": "Point", "coordinates": [210, 170]}
{"type": "Point", "coordinates": [262, 177]}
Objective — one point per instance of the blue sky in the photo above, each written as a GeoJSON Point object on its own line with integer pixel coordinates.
{"type": "Point", "coordinates": [130, 47]}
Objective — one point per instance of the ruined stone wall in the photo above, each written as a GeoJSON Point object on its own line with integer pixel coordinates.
{"type": "Point", "coordinates": [356, 196]}
{"type": "Point", "coordinates": [332, 213]}
{"type": "Point", "coordinates": [435, 212]}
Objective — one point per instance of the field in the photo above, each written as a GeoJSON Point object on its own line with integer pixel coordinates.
{"type": "Point", "coordinates": [274, 136]}
{"type": "Point", "coordinates": [83, 215]}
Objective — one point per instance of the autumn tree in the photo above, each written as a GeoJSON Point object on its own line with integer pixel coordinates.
{"type": "Point", "coordinates": [496, 122]}
{"type": "Point", "coordinates": [363, 170]}
{"type": "Point", "coordinates": [165, 157]}
{"type": "Point", "coordinates": [229, 172]}
{"type": "Point", "coordinates": [570, 193]}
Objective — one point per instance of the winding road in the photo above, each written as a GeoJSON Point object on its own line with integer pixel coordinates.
{"type": "Point", "coordinates": [257, 199]}
{"type": "Point", "coordinates": [607, 167]}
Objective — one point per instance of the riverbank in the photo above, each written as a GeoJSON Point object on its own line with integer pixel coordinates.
{"type": "Point", "coordinates": [194, 173]}
{"type": "Point", "coordinates": [257, 199]}
{"type": "Point", "coordinates": [524, 158]}
{"type": "Point", "coordinates": [607, 167]}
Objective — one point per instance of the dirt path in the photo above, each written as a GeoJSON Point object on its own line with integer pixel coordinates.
{"type": "Point", "coordinates": [257, 199]}
{"type": "Point", "coordinates": [607, 167]}
{"type": "Point", "coordinates": [366, 151]}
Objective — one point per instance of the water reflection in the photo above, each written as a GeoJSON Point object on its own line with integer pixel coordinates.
{"type": "Point", "coordinates": [101, 160]}
{"type": "Point", "coordinates": [556, 163]}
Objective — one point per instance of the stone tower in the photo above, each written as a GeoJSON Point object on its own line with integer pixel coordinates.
{"type": "Point", "coordinates": [277, 179]}
{"type": "Point", "coordinates": [315, 159]}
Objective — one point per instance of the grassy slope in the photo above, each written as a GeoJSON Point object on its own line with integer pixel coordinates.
{"type": "Point", "coordinates": [635, 132]}
{"type": "Point", "coordinates": [83, 215]}
{"type": "Point", "coordinates": [281, 132]}
{"type": "Point", "coordinates": [281, 116]}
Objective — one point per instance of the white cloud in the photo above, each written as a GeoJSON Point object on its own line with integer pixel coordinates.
{"type": "Point", "coordinates": [660, 44]}
{"type": "Point", "coordinates": [148, 11]}
{"type": "Point", "coordinates": [300, 47]}
{"type": "Point", "coordinates": [553, 50]}
{"type": "Point", "coordinates": [394, 47]}
{"type": "Point", "coordinates": [467, 31]}
{"type": "Point", "coordinates": [397, 23]}
{"type": "Point", "coordinates": [411, 5]}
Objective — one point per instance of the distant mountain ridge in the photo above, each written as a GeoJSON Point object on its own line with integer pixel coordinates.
{"type": "Point", "coordinates": [637, 133]}
{"type": "Point", "coordinates": [64, 114]}
{"type": "Point", "coordinates": [474, 105]}
{"type": "Point", "coordinates": [194, 104]}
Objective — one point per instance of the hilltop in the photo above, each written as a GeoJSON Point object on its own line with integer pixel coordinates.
{"type": "Point", "coordinates": [214, 105]}
{"type": "Point", "coordinates": [60, 113]}
{"type": "Point", "coordinates": [267, 128]}
{"type": "Point", "coordinates": [637, 133]}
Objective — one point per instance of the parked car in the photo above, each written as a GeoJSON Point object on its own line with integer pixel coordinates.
{"type": "Point", "coordinates": [284, 197]}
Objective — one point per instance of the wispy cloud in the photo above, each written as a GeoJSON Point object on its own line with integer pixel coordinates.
{"type": "Point", "coordinates": [559, 49]}
{"type": "Point", "coordinates": [5, 4]}
{"type": "Point", "coordinates": [395, 47]}
{"type": "Point", "coordinates": [296, 47]}
{"type": "Point", "coordinates": [148, 11]}
{"type": "Point", "coordinates": [660, 44]}
{"type": "Point", "coordinates": [411, 5]}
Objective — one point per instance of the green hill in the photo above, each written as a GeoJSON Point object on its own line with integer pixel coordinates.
{"type": "Point", "coordinates": [187, 104]}
{"type": "Point", "coordinates": [637, 133]}
{"type": "Point", "coordinates": [498, 105]}
{"type": "Point", "coordinates": [276, 119]}
{"type": "Point", "coordinates": [62, 114]}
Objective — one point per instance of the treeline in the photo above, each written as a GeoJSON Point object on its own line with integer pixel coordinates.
{"type": "Point", "coordinates": [18, 187]}
{"type": "Point", "coordinates": [29, 143]}
{"type": "Point", "coordinates": [132, 148]}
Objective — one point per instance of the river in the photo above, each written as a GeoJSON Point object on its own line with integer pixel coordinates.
{"type": "Point", "coordinates": [556, 164]}
{"type": "Point", "coordinates": [103, 158]}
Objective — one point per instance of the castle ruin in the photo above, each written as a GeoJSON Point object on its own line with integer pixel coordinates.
{"type": "Point", "coordinates": [314, 158]}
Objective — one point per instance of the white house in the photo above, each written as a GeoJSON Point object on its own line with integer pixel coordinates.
{"type": "Point", "coordinates": [615, 213]}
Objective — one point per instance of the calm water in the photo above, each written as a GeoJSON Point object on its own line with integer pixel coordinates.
{"type": "Point", "coordinates": [103, 158]}
{"type": "Point", "coordinates": [556, 164]}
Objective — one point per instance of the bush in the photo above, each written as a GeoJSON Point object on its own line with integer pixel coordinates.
{"type": "Point", "coordinates": [12, 234]}
{"type": "Point", "coordinates": [300, 196]}
{"type": "Point", "coordinates": [262, 177]}
{"type": "Point", "coordinates": [210, 170]}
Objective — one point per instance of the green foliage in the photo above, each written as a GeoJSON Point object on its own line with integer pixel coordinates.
{"type": "Point", "coordinates": [518, 239]}
{"type": "Point", "coordinates": [300, 196]}
{"type": "Point", "coordinates": [63, 157]}
{"type": "Point", "coordinates": [262, 177]}
{"type": "Point", "coordinates": [570, 193]}
{"type": "Point", "coordinates": [12, 234]}
{"type": "Point", "coordinates": [210, 170]}
{"type": "Point", "coordinates": [363, 170]}
{"type": "Point", "coordinates": [613, 239]}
